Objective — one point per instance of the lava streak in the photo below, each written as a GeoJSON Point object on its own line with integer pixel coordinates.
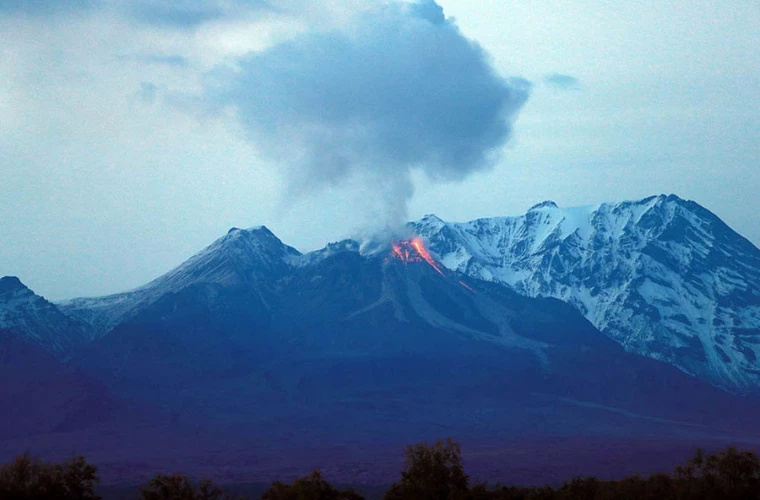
{"type": "Point", "coordinates": [414, 251]}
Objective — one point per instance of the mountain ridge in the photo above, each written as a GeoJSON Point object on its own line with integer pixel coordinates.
{"type": "Point", "coordinates": [38, 321]}
{"type": "Point", "coordinates": [662, 276]}
{"type": "Point", "coordinates": [238, 257]}
{"type": "Point", "coordinates": [637, 270]}
{"type": "Point", "coordinates": [253, 344]}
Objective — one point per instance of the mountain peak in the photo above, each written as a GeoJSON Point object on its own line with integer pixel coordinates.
{"type": "Point", "coordinates": [12, 288]}
{"type": "Point", "coordinates": [35, 320]}
{"type": "Point", "coordinates": [672, 197]}
{"type": "Point", "coordinates": [660, 199]}
{"type": "Point", "coordinates": [543, 204]}
{"type": "Point", "coordinates": [432, 222]}
{"type": "Point", "coordinates": [239, 256]}
{"type": "Point", "coordinates": [260, 231]}
{"type": "Point", "coordinates": [253, 229]}
{"type": "Point", "coordinates": [431, 218]}
{"type": "Point", "coordinates": [662, 275]}
{"type": "Point", "coordinates": [8, 283]}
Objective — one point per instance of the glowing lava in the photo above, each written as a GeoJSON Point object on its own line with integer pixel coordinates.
{"type": "Point", "coordinates": [414, 251]}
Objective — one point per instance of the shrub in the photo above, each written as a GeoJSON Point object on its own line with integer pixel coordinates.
{"type": "Point", "coordinates": [728, 474]}
{"type": "Point", "coordinates": [311, 487]}
{"type": "Point", "coordinates": [431, 472]}
{"type": "Point", "coordinates": [32, 478]}
{"type": "Point", "coordinates": [179, 487]}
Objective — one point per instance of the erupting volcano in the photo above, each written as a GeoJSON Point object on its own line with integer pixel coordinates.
{"type": "Point", "coordinates": [414, 251]}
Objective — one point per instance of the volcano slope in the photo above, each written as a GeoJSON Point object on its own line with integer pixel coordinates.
{"type": "Point", "coordinates": [267, 362]}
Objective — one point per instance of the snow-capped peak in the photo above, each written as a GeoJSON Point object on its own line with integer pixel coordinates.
{"type": "Point", "coordinates": [543, 204]}
{"type": "Point", "coordinates": [663, 276]}
{"type": "Point", "coordinates": [240, 257]}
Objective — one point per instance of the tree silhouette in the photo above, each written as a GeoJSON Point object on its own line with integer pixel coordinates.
{"type": "Point", "coordinates": [431, 472]}
{"type": "Point", "coordinates": [179, 487]}
{"type": "Point", "coordinates": [311, 487]}
{"type": "Point", "coordinates": [32, 478]}
{"type": "Point", "coordinates": [727, 474]}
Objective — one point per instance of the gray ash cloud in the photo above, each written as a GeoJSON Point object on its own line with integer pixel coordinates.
{"type": "Point", "coordinates": [401, 89]}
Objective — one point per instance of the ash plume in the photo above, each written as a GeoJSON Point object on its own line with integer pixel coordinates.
{"type": "Point", "coordinates": [400, 89]}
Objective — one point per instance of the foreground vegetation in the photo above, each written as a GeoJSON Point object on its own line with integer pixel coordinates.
{"type": "Point", "coordinates": [431, 472]}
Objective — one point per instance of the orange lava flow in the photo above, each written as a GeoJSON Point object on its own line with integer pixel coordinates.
{"type": "Point", "coordinates": [420, 247]}
{"type": "Point", "coordinates": [414, 251]}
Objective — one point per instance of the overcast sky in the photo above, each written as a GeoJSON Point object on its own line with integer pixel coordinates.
{"type": "Point", "coordinates": [133, 134]}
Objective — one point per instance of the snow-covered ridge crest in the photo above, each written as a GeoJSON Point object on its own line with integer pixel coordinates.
{"type": "Point", "coordinates": [36, 320]}
{"type": "Point", "coordinates": [663, 276]}
{"type": "Point", "coordinates": [250, 258]}
{"type": "Point", "coordinates": [240, 257]}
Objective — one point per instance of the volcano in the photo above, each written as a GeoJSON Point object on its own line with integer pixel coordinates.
{"type": "Point", "coordinates": [336, 358]}
{"type": "Point", "coordinates": [414, 250]}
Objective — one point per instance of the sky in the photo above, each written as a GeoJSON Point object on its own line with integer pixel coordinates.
{"type": "Point", "coordinates": [133, 134]}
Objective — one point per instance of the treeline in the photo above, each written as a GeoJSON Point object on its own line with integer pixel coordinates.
{"type": "Point", "coordinates": [431, 472]}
